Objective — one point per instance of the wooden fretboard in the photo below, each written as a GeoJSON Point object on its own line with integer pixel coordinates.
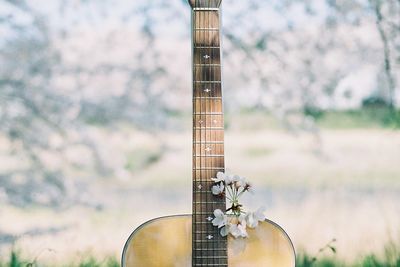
{"type": "Point", "coordinates": [209, 247]}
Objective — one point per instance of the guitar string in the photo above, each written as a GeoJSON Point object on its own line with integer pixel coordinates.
{"type": "Point", "coordinates": [208, 105]}
{"type": "Point", "coordinates": [204, 103]}
{"type": "Point", "coordinates": [213, 132]}
{"type": "Point", "coordinates": [202, 158]}
{"type": "Point", "coordinates": [195, 108]}
{"type": "Point", "coordinates": [209, 52]}
{"type": "Point", "coordinates": [216, 133]}
{"type": "Point", "coordinates": [200, 197]}
{"type": "Point", "coordinates": [207, 130]}
{"type": "Point", "coordinates": [220, 134]}
{"type": "Point", "coordinates": [215, 94]}
{"type": "Point", "coordinates": [201, 131]}
{"type": "Point", "coordinates": [209, 43]}
{"type": "Point", "coordinates": [209, 40]}
{"type": "Point", "coordinates": [194, 229]}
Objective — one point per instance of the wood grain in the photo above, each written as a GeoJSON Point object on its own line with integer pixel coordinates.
{"type": "Point", "coordinates": [208, 135]}
{"type": "Point", "coordinates": [166, 242]}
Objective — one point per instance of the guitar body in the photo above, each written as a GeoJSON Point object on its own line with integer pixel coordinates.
{"type": "Point", "coordinates": [167, 242]}
{"type": "Point", "coordinates": [193, 240]}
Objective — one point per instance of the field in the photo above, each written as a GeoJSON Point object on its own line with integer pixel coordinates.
{"type": "Point", "coordinates": [318, 182]}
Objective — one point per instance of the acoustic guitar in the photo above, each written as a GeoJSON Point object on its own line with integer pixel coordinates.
{"type": "Point", "coordinates": [191, 240]}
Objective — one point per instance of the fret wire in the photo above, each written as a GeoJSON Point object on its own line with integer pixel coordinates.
{"type": "Point", "coordinates": [204, 47]}
{"type": "Point", "coordinates": [221, 249]}
{"type": "Point", "coordinates": [202, 191]}
{"type": "Point", "coordinates": [209, 142]}
{"type": "Point", "coordinates": [205, 9]}
{"type": "Point", "coordinates": [212, 230]}
{"type": "Point", "coordinates": [207, 97]}
{"type": "Point", "coordinates": [204, 213]}
{"type": "Point", "coordinates": [210, 156]}
{"type": "Point", "coordinates": [208, 202]}
{"type": "Point", "coordinates": [208, 128]}
{"type": "Point", "coordinates": [209, 65]}
{"type": "Point", "coordinates": [210, 168]}
{"type": "Point", "coordinates": [206, 29]}
{"type": "Point", "coordinates": [208, 113]}
{"type": "Point", "coordinates": [210, 264]}
{"type": "Point", "coordinates": [203, 223]}
{"type": "Point", "coordinates": [207, 48]}
{"type": "Point", "coordinates": [207, 82]}
{"type": "Point", "coordinates": [211, 256]}
{"type": "Point", "coordinates": [211, 240]}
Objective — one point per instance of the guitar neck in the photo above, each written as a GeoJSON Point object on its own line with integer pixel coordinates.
{"type": "Point", "coordinates": [209, 247]}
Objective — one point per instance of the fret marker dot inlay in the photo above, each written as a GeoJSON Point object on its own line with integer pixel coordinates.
{"type": "Point", "coordinates": [201, 122]}
{"type": "Point", "coordinates": [209, 218]}
{"type": "Point", "coordinates": [207, 90]}
{"type": "Point", "coordinates": [208, 149]}
{"type": "Point", "coordinates": [200, 186]}
{"type": "Point", "coordinates": [215, 121]}
{"type": "Point", "coordinates": [209, 237]}
{"type": "Point", "coordinates": [206, 56]}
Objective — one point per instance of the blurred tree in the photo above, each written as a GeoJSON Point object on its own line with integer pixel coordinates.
{"type": "Point", "coordinates": [30, 109]}
{"type": "Point", "coordinates": [388, 36]}
{"type": "Point", "coordinates": [387, 21]}
{"type": "Point", "coordinates": [99, 66]}
{"type": "Point", "coordinates": [42, 118]}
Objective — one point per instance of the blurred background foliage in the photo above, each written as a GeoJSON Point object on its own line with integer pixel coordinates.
{"type": "Point", "coordinates": [95, 94]}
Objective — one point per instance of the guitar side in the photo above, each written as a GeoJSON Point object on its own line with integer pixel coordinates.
{"type": "Point", "coordinates": [167, 242]}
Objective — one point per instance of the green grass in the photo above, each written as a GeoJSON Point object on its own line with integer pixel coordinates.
{"type": "Point", "coordinates": [368, 261]}
{"type": "Point", "coordinates": [15, 260]}
{"type": "Point", "coordinates": [371, 117]}
{"type": "Point", "coordinates": [92, 262]}
{"type": "Point", "coordinates": [364, 118]}
{"type": "Point", "coordinates": [368, 117]}
{"type": "Point", "coordinates": [303, 260]}
{"type": "Point", "coordinates": [390, 258]}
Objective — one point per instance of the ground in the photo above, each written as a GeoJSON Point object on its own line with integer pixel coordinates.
{"type": "Point", "coordinates": [341, 183]}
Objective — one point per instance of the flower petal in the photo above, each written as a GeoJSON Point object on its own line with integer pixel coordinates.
{"type": "Point", "coordinates": [251, 220]}
{"type": "Point", "coordinates": [218, 189]}
{"type": "Point", "coordinates": [228, 179]}
{"type": "Point", "coordinates": [221, 176]}
{"type": "Point", "coordinates": [259, 214]}
{"type": "Point", "coordinates": [218, 213]}
{"type": "Point", "coordinates": [224, 230]}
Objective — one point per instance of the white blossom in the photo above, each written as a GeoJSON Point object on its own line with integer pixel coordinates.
{"type": "Point", "coordinates": [236, 178]}
{"type": "Point", "coordinates": [252, 218]}
{"type": "Point", "coordinates": [242, 181]}
{"type": "Point", "coordinates": [228, 179]}
{"type": "Point", "coordinates": [234, 221]}
{"type": "Point", "coordinates": [218, 189]}
{"type": "Point", "coordinates": [239, 229]}
{"type": "Point", "coordinates": [220, 219]}
{"type": "Point", "coordinates": [220, 177]}
{"type": "Point", "coordinates": [225, 230]}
